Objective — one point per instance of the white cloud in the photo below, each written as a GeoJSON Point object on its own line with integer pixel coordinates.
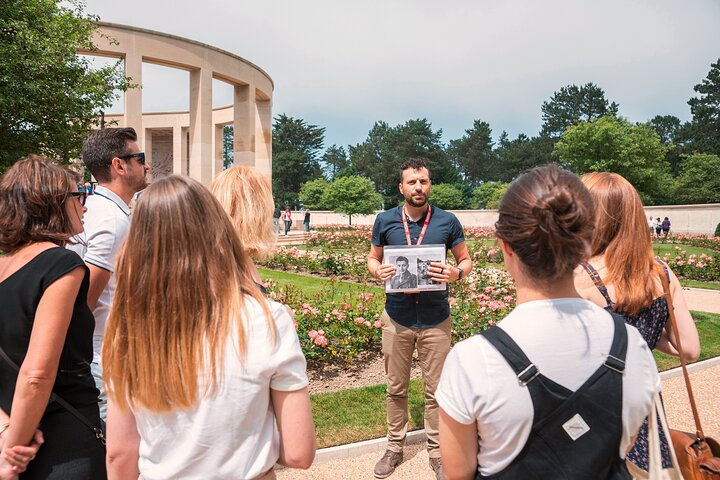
{"type": "Point", "coordinates": [343, 65]}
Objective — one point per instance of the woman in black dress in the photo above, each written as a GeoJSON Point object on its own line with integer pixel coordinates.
{"type": "Point", "coordinates": [46, 328]}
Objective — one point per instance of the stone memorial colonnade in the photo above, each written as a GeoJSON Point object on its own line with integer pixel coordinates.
{"type": "Point", "coordinates": [191, 142]}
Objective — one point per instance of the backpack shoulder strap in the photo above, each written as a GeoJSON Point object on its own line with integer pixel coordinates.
{"type": "Point", "coordinates": [524, 369]}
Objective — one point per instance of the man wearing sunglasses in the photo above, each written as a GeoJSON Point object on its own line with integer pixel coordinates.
{"type": "Point", "coordinates": [113, 157]}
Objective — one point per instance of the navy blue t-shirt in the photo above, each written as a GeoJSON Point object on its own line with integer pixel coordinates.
{"type": "Point", "coordinates": [424, 309]}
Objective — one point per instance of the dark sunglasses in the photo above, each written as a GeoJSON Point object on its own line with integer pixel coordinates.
{"type": "Point", "coordinates": [79, 195]}
{"type": "Point", "coordinates": [140, 156]}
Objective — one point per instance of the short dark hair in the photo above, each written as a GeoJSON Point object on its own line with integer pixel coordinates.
{"type": "Point", "coordinates": [32, 203]}
{"type": "Point", "coordinates": [415, 164]}
{"type": "Point", "coordinates": [101, 146]}
{"type": "Point", "coordinates": [402, 259]}
{"type": "Point", "coordinates": [547, 217]}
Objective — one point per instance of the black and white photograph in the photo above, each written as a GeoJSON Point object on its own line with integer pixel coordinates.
{"type": "Point", "coordinates": [412, 265]}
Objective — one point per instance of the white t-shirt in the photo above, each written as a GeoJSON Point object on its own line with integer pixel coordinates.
{"type": "Point", "coordinates": [230, 434]}
{"type": "Point", "coordinates": [567, 339]}
{"type": "Point", "coordinates": [107, 223]}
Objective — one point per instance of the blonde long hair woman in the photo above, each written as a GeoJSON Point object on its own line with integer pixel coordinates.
{"type": "Point", "coordinates": [199, 366]}
{"type": "Point", "coordinates": [622, 275]}
{"type": "Point", "coordinates": [246, 195]}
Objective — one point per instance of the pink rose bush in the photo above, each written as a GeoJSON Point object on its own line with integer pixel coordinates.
{"type": "Point", "coordinates": [703, 267]}
{"type": "Point", "coordinates": [335, 327]}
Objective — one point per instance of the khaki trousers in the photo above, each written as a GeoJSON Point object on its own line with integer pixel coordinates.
{"type": "Point", "coordinates": [398, 344]}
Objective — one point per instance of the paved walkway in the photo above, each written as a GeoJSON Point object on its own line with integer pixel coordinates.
{"type": "Point", "coordinates": [703, 300]}
{"type": "Point", "coordinates": [706, 384]}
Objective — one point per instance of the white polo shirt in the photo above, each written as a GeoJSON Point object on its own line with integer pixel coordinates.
{"type": "Point", "coordinates": [107, 223]}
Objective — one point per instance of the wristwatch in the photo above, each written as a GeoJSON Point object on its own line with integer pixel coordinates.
{"type": "Point", "coordinates": [460, 273]}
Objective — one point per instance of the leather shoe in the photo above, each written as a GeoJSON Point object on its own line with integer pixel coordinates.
{"type": "Point", "coordinates": [386, 466]}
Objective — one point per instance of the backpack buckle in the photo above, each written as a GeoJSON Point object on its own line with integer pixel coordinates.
{"type": "Point", "coordinates": [528, 374]}
{"type": "Point", "coordinates": [614, 363]}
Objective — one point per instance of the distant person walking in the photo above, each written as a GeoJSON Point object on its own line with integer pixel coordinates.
{"type": "Point", "coordinates": [658, 226]}
{"type": "Point", "coordinates": [287, 216]}
{"type": "Point", "coordinates": [276, 220]}
{"type": "Point", "coordinates": [666, 226]}
{"type": "Point", "coordinates": [306, 222]}
{"type": "Point", "coordinates": [652, 223]}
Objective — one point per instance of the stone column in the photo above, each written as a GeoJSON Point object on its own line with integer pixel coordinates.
{"type": "Point", "coordinates": [263, 137]}
{"type": "Point", "coordinates": [148, 152]}
{"type": "Point", "coordinates": [179, 148]}
{"type": "Point", "coordinates": [244, 125]}
{"type": "Point", "coordinates": [201, 127]}
{"type": "Point", "coordinates": [218, 144]}
{"type": "Point", "coordinates": [133, 97]}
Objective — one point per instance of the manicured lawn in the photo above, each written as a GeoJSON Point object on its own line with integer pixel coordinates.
{"type": "Point", "coordinates": [708, 325]}
{"type": "Point", "coordinates": [359, 414]}
{"type": "Point", "coordinates": [699, 284]}
{"type": "Point", "coordinates": [667, 248]}
{"type": "Point", "coordinates": [311, 286]}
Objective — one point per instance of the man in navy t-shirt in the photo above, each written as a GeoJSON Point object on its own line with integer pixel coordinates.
{"type": "Point", "coordinates": [415, 320]}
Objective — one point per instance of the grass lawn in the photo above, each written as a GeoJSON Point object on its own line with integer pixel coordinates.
{"type": "Point", "coordinates": [699, 284]}
{"type": "Point", "coordinates": [663, 248]}
{"type": "Point", "coordinates": [359, 414]}
{"type": "Point", "coordinates": [708, 325]}
{"type": "Point", "coordinates": [311, 286]}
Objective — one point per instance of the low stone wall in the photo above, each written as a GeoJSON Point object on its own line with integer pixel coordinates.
{"type": "Point", "coordinates": [684, 218]}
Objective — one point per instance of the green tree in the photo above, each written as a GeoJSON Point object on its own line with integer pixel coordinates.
{"type": "Point", "coordinates": [473, 153]}
{"type": "Point", "coordinates": [666, 126]}
{"type": "Point", "coordinates": [574, 104]}
{"type": "Point", "coordinates": [228, 146]}
{"type": "Point", "coordinates": [615, 145]}
{"type": "Point", "coordinates": [312, 194]}
{"type": "Point", "coordinates": [489, 194]}
{"type": "Point", "coordinates": [699, 179]}
{"type": "Point", "coordinates": [515, 156]}
{"type": "Point", "coordinates": [705, 109]}
{"type": "Point", "coordinates": [296, 145]}
{"type": "Point", "coordinates": [379, 157]}
{"type": "Point", "coordinates": [335, 161]}
{"type": "Point", "coordinates": [352, 195]}
{"type": "Point", "coordinates": [447, 196]}
{"type": "Point", "coordinates": [49, 96]}
{"type": "Point", "coordinates": [670, 130]}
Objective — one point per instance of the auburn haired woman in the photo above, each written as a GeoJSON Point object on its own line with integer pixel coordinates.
{"type": "Point", "coordinates": [623, 276]}
{"type": "Point", "coordinates": [559, 388]}
{"type": "Point", "coordinates": [46, 329]}
{"type": "Point", "coordinates": [199, 366]}
{"type": "Point", "coordinates": [246, 195]}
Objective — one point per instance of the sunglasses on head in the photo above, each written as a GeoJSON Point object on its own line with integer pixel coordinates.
{"type": "Point", "coordinates": [140, 156]}
{"type": "Point", "coordinates": [79, 195]}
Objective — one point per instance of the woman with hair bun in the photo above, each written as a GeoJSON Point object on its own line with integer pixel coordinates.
{"type": "Point", "coordinates": [622, 275]}
{"type": "Point", "coordinates": [560, 386]}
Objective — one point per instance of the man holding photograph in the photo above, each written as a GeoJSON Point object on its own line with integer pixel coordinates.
{"type": "Point", "coordinates": [415, 320]}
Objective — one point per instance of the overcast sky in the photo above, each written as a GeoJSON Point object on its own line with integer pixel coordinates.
{"type": "Point", "coordinates": [343, 65]}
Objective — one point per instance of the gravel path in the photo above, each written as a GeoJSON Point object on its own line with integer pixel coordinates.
{"type": "Point", "coordinates": [706, 384]}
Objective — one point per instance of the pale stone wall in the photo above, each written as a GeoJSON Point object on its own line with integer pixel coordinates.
{"type": "Point", "coordinates": [688, 218]}
{"type": "Point", "coordinates": [684, 218]}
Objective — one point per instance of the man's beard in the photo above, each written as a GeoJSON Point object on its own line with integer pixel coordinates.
{"type": "Point", "coordinates": [411, 201]}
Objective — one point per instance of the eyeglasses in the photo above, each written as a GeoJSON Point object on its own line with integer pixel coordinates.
{"type": "Point", "coordinates": [140, 156]}
{"type": "Point", "coordinates": [79, 195]}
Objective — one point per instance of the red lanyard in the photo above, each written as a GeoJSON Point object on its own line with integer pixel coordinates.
{"type": "Point", "coordinates": [407, 229]}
